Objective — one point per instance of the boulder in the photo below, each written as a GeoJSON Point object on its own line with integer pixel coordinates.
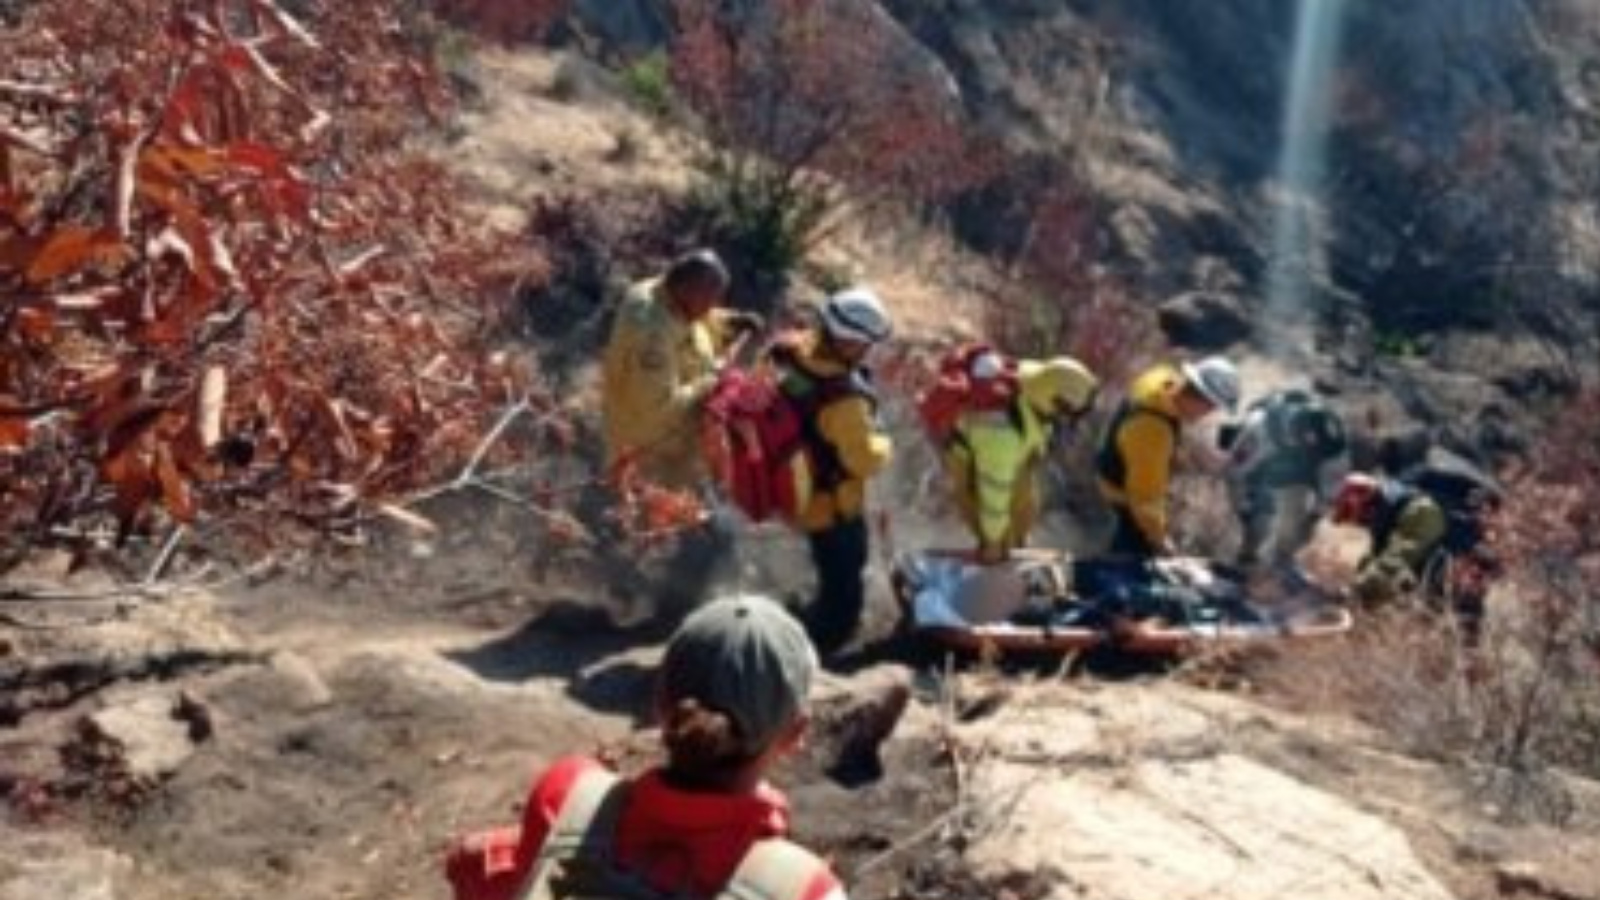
{"type": "Point", "coordinates": [303, 688]}
{"type": "Point", "coordinates": [1204, 320]}
{"type": "Point", "coordinates": [151, 732]}
{"type": "Point", "coordinates": [1121, 794]}
{"type": "Point", "coordinates": [855, 716]}
{"type": "Point", "coordinates": [1532, 880]}
{"type": "Point", "coordinates": [1223, 826]}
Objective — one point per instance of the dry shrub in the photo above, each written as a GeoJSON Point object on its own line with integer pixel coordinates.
{"type": "Point", "coordinates": [228, 285]}
{"type": "Point", "coordinates": [1399, 671]}
{"type": "Point", "coordinates": [808, 104]}
{"type": "Point", "coordinates": [596, 245]}
{"type": "Point", "coordinates": [1067, 304]}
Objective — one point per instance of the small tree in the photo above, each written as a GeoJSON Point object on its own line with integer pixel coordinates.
{"type": "Point", "coordinates": [809, 103]}
{"type": "Point", "coordinates": [1067, 303]}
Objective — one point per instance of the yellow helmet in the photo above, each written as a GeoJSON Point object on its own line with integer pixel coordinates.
{"type": "Point", "coordinates": [1058, 386]}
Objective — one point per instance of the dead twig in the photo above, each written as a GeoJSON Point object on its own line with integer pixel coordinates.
{"type": "Point", "coordinates": [470, 479]}
{"type": "Point", "coordinates": [104, 595]}
{"type": "Point", "coordinates": [51, 94]}
{"type": "Point", "coordinates": [26, 141]}
{"type": "Point", "coordinates": [513, 412]}
{"type": "Point", "coordinates": [22, 624]}
{"type": "Point", "coordinates": [920, 836]}
{"type": "Point", "coordinates": [165, 556]}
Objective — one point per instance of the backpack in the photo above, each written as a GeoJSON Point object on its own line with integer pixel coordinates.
{"type": "Point", "coordinates": [1300, 422]}
{"type": "Point", "coordinates": [575, 862]}
{"type": "Point", "coordinates": [1111, 588]}
{"type": "Point", "coordinates": [1462, 490]}
{"type": "Point", "coordinates": [760, 441]}
{"type": "Point", "coordinates": [958, 390]}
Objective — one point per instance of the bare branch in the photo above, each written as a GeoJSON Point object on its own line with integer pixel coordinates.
{"type": "Point", "coordinates": [50, 94]}
{"type": "Point", "coordinates": [23, 140]}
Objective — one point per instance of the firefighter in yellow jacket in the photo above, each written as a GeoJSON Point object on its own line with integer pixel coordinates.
{"type": "Point", "coordinates": [848, 445]}
{"type": "Point", "coordinates": [994, 456]}
{"type": "Point", "coordinates": [666, 345]}
{"type": "Point", "coordinates": [1140, 446]}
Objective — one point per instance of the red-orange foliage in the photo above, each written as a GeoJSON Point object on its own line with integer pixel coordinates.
{"type": "Point", "coordinates": [223, 280]}
{"type": "Point", "coordinates": [826, 86]}
{"type": "Point", "coordinates": [648, 512]}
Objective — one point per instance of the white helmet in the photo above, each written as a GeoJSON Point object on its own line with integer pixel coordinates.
{"type": "Point", "coordinates": [1216, 379]}
{"type": "Point", "coordinates": [856, 314]}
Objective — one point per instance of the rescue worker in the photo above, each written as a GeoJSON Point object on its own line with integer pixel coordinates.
{"type": "Point", "coordinates": [1139, 448]}
{"type": "Point", "coordinates": [667, 342]}
{"type": "Point", "coordinates": [993, 456]}
{"type": "Point", "coordinates": [732, 696]}
{"type": "Point", "coordinates": [1419, 546]}
{"type": "Point", "coordinates": [849, 445]}
{"type": "Point", "coordinates": [1286, 459]}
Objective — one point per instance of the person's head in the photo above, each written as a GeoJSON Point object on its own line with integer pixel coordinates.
{"type": "Point", "coordinates": [1058, 389]}
{"type": "Point", "coordinates": [732, 692]}
{"type": "Point", "coordinates": [1356, 502]}
{"type": "Point", "coordinates": [1209, 385]}
{"type": "Point", "coordinates": [696, 283]}
{"type": "Point", "coordinates": [853, 321]}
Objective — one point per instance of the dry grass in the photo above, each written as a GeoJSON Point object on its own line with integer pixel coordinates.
{"type": "Point", "coordinates": [1525, 701]}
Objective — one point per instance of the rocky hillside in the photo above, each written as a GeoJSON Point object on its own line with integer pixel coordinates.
{"type": "Point", "coordinates": [1462, 164]}
{"type": "Point", "coordinates": [1459, 190]}
{"type": "Point", "coordinates": [1463, 168]}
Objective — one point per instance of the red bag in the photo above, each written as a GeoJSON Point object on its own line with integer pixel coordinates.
{"type": "Point", "coordinates": [755, 441]}
{"type": "Point", "coordinates": [972, 377]}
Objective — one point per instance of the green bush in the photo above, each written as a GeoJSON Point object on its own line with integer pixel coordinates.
{"type": "Point", "coordinates": [765, 218]}
{"type": "Point", "coordinates": [648, 84]}
{"type": "Point", "coordinates": [1395, 345]}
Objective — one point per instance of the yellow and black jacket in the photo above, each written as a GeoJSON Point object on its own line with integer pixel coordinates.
{"type": "Point", "coordinates": [849, 444]}
{"type": "Point", "coordinates": [1139, 448]}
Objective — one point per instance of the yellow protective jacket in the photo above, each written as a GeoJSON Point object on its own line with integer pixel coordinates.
{"type": "Point", "coordinates": [1138, 451]}
{"type": "Point", "coordinates": [993, 459]}
{"type": "Point", "coordinates": [856, 447]}
{"type": "Point", "coordinates": [1406, 542]}
{"type": "Point", "coordinates": [656, 371]}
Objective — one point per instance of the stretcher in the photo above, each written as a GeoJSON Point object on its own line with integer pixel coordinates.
{"type": "Point", "coordinates": [1043, 601]}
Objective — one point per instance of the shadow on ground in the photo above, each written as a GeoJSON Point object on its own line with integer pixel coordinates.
{"type": "Point", "coordinates": [581, 644]}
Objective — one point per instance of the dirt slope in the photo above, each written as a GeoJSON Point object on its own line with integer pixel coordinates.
{"type": "Point", "coordinates": [323, 736]}
{"type": "Point", "coordinates": [353, 732]}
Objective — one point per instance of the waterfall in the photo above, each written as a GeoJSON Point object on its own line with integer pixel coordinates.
{"type": "Point", "coordinates": [1297, 253]}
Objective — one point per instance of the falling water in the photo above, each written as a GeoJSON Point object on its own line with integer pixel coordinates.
{"type": "Point", "coordinates": [1297, 254]}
